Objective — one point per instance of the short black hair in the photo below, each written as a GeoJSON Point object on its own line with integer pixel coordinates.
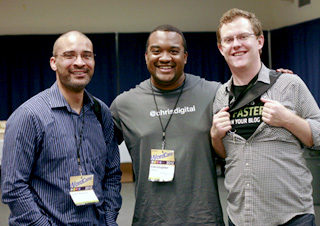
{"type": "Point", "coordinates": [168, 27]}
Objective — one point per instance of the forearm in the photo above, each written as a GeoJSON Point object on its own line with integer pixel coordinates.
{"type": "Point", "coordinates": [299, 127]}
{"type": "Point", "coordinates": [18, 197]}
{"type": "Point", "coordinates": [218, 147]}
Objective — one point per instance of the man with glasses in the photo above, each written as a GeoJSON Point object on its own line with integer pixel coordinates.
{"type": "Point", "coordinates": [61, 163]}
{"type": "Point", "coordinates": [262, 121]}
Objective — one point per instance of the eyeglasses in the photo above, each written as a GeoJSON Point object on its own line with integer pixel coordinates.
{"type": "Point", "coordinates": [73, 56]}
{"type": "Point", "coordinates": [243, 37]}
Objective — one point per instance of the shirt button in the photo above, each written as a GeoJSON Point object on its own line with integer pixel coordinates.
{"type": "Point", "coordinates": [247, 164]}
{"type": "Point", "coordinates": [248, 185]}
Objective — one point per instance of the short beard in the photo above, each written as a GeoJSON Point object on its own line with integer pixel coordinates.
{"type": "Point", "coordinates": [75, 87]}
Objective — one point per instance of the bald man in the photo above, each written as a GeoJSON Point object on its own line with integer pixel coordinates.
{"type": "Point", "coordinates": [61, 163]}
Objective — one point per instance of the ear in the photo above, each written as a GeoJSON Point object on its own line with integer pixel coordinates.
{"type": "Point", "coordinates": [185, 57]}
{"type": "Point", "coordinates": [220, 49]}
{"type": "Point", "coordinates": [53, 63]}
{"type": "Point", "coordinates": [261, 41]}
{"type": "Point", "coordinates": [145, 57]}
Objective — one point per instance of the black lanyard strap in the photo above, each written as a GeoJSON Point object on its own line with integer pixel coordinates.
{"type": "Point", "coordinates": [79, 143]}
{"type": "Point", "coordinates": [165, 128]}
{"type": "Point", "coordinates": [252, 91]}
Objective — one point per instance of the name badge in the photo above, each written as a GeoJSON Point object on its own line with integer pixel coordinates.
{"type": "Point", "coordinates": [81, 190]}
{"type": "Point", "coordinates": [162, 165]}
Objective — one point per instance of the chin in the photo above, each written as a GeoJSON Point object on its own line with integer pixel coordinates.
{"type": "Point", "coordinates": [239, 65]}
{"type": "Point", "coordinates": [165, 78]}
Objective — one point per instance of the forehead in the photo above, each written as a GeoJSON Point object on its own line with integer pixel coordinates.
{"type": "Point", "coordinates": [165, 39]}
{"type": "Point", "coordinates": [74, 42]}
{"type": "Point", "coordinates": [237, 26]}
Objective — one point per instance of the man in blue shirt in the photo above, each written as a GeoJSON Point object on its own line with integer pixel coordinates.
{"type": "Point", "coordinates": [61, 163]}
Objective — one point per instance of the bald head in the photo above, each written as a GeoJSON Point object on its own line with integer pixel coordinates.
{"type": "Point", "coordinates": [73, 61]}
{"type": "Point", "coordinates": [72, 36]}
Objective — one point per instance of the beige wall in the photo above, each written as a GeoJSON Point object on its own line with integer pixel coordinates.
{"type": "Point", "coordinates": [103, 16]}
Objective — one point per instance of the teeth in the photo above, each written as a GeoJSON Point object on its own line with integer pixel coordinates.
{"type": "Point", "coordinates": [239, 54]}
{"type": "Point", "coordinates": [165, 67]}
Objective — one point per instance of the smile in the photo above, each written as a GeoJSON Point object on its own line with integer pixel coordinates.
{"type": "Point", "coordinates": [239, 54]}
{"type": "Point", "coordinates": [79, 72]}
{"type": "Point", "coordinates": [165, 67]}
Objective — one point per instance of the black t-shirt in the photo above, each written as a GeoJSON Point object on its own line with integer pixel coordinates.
{"type": "Point", "coordinates": [246, 120]}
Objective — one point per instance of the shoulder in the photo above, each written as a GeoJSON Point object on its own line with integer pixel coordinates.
{"type": "Point", "coordinates": [283, 78]}
{"type": "Point", "coordinates": [32, 113]}
{"type": "Point", "coordinates": [193, 81]}
{"type": "Point", "coordinates": [198, 79]}
{"type": "Point", "coordinates": [133, 95]}
{"type": "Point", "coordinates": [36, 105]}
{"type": "Point", "coordinates": [287, 80]}
{"type": "Point", "coordinates": [99, 107]}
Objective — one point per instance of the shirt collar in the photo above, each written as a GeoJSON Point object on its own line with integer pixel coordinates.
{"type": "Point", "coordinates": [263, 76]}
{"type": "Point", "coordinates": [57, 100]}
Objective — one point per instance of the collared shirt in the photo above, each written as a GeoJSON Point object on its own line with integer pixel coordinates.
{"type": "Point", "coordinates": [267, 179]}
{"type": "Point", "coordinates": [40, 156]}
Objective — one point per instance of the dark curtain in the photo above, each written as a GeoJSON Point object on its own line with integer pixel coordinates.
{"type": "Point", "coordinates": [297, 47]}
{"type": "Point", "coordinates": [132, 66]}
{"type": "Point", "coordinates": [265, 50]}
{"type": "Point", "coordinates": [24, 69]}
{"type": "Point", "coordinates": [104, 82]}
{"type": "Point", "coordinates": [204, 58]}
{"type": "Point", "coordinates": [120, 63]}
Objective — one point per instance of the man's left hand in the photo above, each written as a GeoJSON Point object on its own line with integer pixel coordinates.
{"type": "Point", "coordinates": [274, 113]}
{"type": "Point", "coordinates": [284, 71]}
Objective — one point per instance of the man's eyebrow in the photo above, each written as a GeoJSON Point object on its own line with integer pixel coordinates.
{"type": "Point", "coordinates": [171, 47]}
{"type": "Point", "coordinates": [72, 51]}
{"type": "Point", "coordinates": [154, 46]}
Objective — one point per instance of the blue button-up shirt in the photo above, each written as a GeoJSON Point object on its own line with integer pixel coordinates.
{"type": "Point", "coordinates": [40, 156]}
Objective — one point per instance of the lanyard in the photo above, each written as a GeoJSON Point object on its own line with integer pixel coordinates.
{"type": "Point", "coordinates": [165, 128]}
{"type": "Point", "coordinates": [241, 95]}
{"type": "Point", "coordinates": [79, 143]}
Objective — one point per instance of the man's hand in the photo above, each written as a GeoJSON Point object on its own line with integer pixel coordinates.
{"type": "Point", "coordinates": [284, 71]}
{"type": "Point", "coordinates": [274, 113]}
{"type": "Point", "coordinates": [220, 124]}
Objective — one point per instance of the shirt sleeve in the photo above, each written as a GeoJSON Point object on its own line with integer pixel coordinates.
{"type": "Point", "coordinates": [116, 121]}
{"type": "Point", "coordinates": [112, 181]}
{"type": "Point", "coordinates": [21, 143]}
{"type": "Point", "coordinates": [309, 110]}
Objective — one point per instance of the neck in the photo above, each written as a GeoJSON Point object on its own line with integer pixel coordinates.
{"type": "Point", "coordinates": [243, 76]}
{"type": "Point", "coordinates": [168, 86]}
{"type": "Point", "coordinates": [74, 99]}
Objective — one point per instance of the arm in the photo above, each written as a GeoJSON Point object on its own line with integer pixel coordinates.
{"type": "Point", "coordinates": [220, 126]}
{"type": "Point", "coordinates": [113, 184]}
{"type": "Point", "coordinates": [20, 145]}
{"type": "Point", "coordinates": [275, 114]}
{"type": "Point", "coordinates": [116, 121]}
{"type": "Point", "coordinates": [112, 179]}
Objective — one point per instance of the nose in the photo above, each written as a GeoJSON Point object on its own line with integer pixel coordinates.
{"type": "Point", "coordinates": [236, 42]}
{"type": "Point", "coordinates": [165, 56]}
{"type": "Point", "coordinates": [79, 61]}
